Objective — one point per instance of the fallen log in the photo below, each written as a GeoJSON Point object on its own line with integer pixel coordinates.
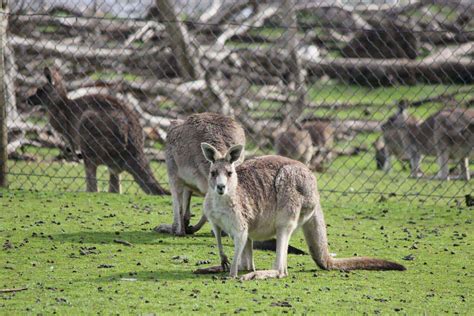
{"type": "Point", "coordinates": [399, 71]}
{"type": "Point", "coordinates": [121, 26]}
{"type": "Point", "coordinates": [78, 52]}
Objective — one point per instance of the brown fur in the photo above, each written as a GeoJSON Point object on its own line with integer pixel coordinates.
{"type": "Point", "coordinates": [310, 145]}
{"type": "Point", "coordinates": [187, 168]}
{"type": "Point", "coordinates": [265, 197]}
{"type": "Point", "coordinates": [296, 144]}
{"type": "Point", "coordinates": [103, 129]}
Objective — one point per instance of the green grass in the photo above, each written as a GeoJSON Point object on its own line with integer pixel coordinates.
{"type": "Point", "coordinates": [110, 75]}
{"type": "Point", "coordinates": [369, 212]}
{"type": "Point", "coordinates": [368, 103]}
{"type": "Point", "coordinates": [49, 231]}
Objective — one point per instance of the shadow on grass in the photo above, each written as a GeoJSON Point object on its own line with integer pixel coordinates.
{"type": "Point", "coordinates": [155, 275]}
{"type": "Point", "coordinates": [133, 237]}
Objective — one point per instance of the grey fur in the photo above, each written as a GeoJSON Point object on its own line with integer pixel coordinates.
{"type": "Point", "coordinates": [186, 165]}
{"type": "Point", "coordinates": [392, 144]}
{"type": "Point", "coordinates": [265, 197]}
{"type": "Point", "coordinates": [446, 134]}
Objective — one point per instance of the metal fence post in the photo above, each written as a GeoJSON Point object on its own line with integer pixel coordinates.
{"type": "Point", "coordinates": [3, 105]}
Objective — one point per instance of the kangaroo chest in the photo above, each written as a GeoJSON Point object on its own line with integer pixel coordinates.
{"type": "Point", "coordinates": [224, 215]}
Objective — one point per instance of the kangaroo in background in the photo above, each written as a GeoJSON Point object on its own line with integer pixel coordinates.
{"type": "Point", "coordinates": [188, 169]}
{"type": "Point", "coordinates": [446, 134]}
{"type": "Point", "coordinates": [265, 197]}
{"type": "Point", "coordinates": [105, 130]}
{"type": "Point", "coordinates": [310, 144]}
{"type": "Point", "coordinates": [296, 144]}
{"type": "Point", "coordinates": [391, 144]}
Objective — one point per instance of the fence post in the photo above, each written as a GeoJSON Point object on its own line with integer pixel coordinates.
{"type": "Point", "coordinates": [3, 105]}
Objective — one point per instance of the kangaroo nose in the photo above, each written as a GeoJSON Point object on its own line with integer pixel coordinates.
{"type": "Point", "coordinates": [220, 188]}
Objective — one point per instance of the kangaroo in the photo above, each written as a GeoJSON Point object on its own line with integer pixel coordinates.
{"type": "Point", "coordinates": [265, 197]}
{"type": "Point", "coordinates": [310, 145]}
{"type": "Point", "coordinates": [296, 144]}
{"type": "Point", "coordinates": [446, 134]}
{"type": "Point", "coordinates": [391, 144]}
{"type": "Point", "coordinates": [188, 169]}
{"type": "Point", "coordinates": [322, 134]}
{"type": "Point", "coordinates": [105, 131]}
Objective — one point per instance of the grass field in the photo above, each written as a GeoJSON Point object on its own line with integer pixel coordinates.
{"type": "Point", "coordinates": [58, 242]}
{"type": "Point", "coordinates": [60, 246]}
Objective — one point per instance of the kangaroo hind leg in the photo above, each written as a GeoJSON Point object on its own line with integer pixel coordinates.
{"type": "Point", "coordinates": [280, 268]}
{"type": "Point", "coordinates": [91, 175]}
{"type": "Point", "coordinates": [114, 181]}
{"type": "Point", "coordinates": [177, 228]}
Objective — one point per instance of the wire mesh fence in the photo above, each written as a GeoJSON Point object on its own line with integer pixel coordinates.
{"type": "Point", "coordinates": [360, 92]}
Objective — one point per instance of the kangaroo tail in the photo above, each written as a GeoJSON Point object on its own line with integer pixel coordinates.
{"type": "Point", "coordinates": [143, 175]}
{"type": "Point", "coordinates": [198, 226]}
{"type": "Point", "coordinates": [316, 238]}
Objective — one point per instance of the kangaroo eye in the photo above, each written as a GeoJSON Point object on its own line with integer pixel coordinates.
{"type": "Point", "coordinates": [229, 173]}
{"type": "Point", "coordinates": [214, 173]}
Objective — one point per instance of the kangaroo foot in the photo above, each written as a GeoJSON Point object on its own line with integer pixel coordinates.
{"type": "Point", "coordinates": [210, 270]}
{"type": "Point", "coordinates": [441, 177]}
{"type": "Point", "coordinates": [417, 175]}
{"type": "Point", "coordinates": [168, 229]}
{"type": "Point", "coordinates": [262, 275]}
{"type": "Point", "coordinates": [190, 229]}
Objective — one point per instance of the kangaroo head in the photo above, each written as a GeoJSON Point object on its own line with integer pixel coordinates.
{"type": "Point", "coordinates": [50, 92]}
{"type": "Point", "coordinates": [222, 176]}
{"type": "Point", "coordinates": [399, 119]}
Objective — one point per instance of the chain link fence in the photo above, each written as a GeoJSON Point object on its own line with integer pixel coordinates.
{"type": "Point", "coordinates": [358, 90]}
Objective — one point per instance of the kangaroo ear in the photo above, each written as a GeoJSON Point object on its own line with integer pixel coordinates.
{"type": "Point", "coordinates": [209, 152]}
{"type": "Point", "coordinates": [234, 153]}
{"type": "Point", "coordinates": [48, 74]}
{"type": "Point", "coordinates": [403, 106]}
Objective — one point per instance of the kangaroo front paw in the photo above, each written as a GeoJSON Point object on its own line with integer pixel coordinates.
{"type": "Point", "coordinates": [225, 264]}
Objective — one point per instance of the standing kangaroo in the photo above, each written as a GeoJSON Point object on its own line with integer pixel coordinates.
{"type": "Point", "coordinates": [105, 130]}
{"type": "Point", "coordinates": [446, 134]}
{"type": "Point", "coordinates": [265, 197]}
{"type": "Point", "coordinates": [188, 169]}
{"type": "Point", "coordinates": [392, 144]}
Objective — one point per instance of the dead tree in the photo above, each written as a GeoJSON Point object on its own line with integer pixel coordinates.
{"type": "Point", "coordinates": [295, 75]}
{"type": "Point", "coordinates": [186, 55]}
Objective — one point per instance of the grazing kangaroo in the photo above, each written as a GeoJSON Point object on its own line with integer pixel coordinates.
{"type": "Point", "coordinates": [296, 144]}
{"type": "Point", "coordinates": [105, 131]}
{"type": "Point", "coordinates": [391, 144]}
{"type": "Point", "coordinates": [310, 145]}
{"type": "Point", "coordinates": [446, 134]}
{"type": "Point", "coordinates": [188, 169]}
{"type": "Point", "coordinates": [265, 197]}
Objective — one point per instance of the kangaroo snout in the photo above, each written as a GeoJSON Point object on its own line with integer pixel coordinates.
{"type": "Point", "coordinates": [220, 188]}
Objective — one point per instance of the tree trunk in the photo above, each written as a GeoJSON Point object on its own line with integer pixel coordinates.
{"type": "Point", "coordinates": [186, 55]}
{"type": "Point", "coordinates": [296, 78]}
